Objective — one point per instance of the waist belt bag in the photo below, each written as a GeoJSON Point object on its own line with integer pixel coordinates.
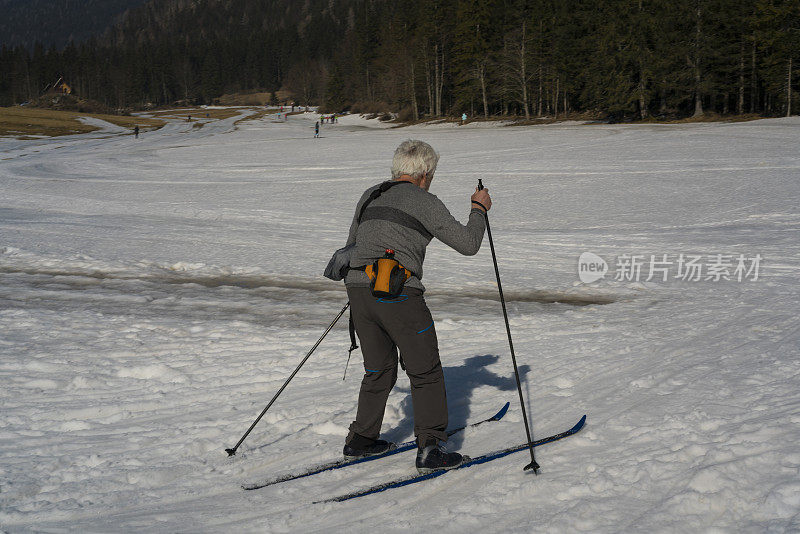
{"type": "Point", "coordinates": [387, 277]}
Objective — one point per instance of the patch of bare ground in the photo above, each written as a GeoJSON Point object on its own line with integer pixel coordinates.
{"type": "Point", "coordinates": [27, 122]}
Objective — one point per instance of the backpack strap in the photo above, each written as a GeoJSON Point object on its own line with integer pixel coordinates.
{"type": "Point", "coordinates": [391, 214]}
{"type": "Point", "coordinates": [353, 345]}
{"type": "Point", "coordinates": [384, 187]}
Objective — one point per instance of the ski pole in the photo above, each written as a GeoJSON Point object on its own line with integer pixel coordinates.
{"type": "Point", "coordinates": [232, 451]}
{"type": "Point", "coordinates": [533, 465]}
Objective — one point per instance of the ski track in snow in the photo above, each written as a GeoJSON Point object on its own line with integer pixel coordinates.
{"type": "Point", "coordinates": [155, 293]}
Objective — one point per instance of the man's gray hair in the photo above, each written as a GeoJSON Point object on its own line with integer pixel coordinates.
{"type": "Point", "coordinates": [414, 158]}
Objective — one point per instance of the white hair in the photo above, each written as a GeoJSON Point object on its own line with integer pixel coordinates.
{"type": "Point", "coordinates": [414, 158]}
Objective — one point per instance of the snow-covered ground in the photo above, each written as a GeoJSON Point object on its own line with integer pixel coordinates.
{"type": "Point", "coordinates": [155, 293]}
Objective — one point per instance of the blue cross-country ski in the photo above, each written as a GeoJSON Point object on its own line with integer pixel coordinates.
{"type": "Point", "coordinates": [338, 464]}
{"type": "Point", "coordinates": [413, 479]}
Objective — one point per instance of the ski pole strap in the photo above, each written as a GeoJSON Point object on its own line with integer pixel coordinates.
{"type": "Point", "coordinates": [353, 345]}
{"type": "Point", "coordinates": [481, 205]}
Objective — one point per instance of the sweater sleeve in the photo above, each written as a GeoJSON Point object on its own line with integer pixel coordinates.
{"type": "Point", "coordinates": [465, 239]}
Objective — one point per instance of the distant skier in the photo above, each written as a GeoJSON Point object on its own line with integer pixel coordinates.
{"type": "Point", "coordinates": [333, 118]}
{"type": "Point", "coordinates": [401, 218]}
{"type": "Point", "coordinates": [136, 132]}
{"type": "Point", "coordinates": [316, 129]}
{"type": "Point", "coordinates": [463, 119]}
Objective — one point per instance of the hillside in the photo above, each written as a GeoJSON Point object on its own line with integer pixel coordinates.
{"type": "Point", "coordinates": [435, 58]}
{"type": "Point", "coordinates": [56, 22]}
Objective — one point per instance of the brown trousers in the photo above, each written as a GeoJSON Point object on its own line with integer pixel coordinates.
{"type": "Point", "coordinates": [383, 326]}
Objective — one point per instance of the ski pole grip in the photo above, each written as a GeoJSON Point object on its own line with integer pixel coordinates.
{"type": "Point", "coordinates": [480, 184]}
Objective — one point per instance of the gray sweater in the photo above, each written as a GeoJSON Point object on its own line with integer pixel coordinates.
{"type": "Point", "coordinates": [405, 218]}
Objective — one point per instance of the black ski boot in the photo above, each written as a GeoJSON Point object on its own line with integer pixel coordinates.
{"type": "Point", "coordinates": [359, 447]}
{"type": "Point", "coordinates": [432, 457]}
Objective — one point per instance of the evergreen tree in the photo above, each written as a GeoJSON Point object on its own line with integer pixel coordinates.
{"type": "Point", "coordinates": [335, 96]}
{"type": "Point", "coordinates": [472, 56]}
{"type": "Point", "coordinates": [211, 79]}
{"type": "Point", "coordinates": [778, 35]}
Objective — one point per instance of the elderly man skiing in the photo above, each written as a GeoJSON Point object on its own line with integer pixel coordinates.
{"type": "Point", "coordinates": [382, 267]}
